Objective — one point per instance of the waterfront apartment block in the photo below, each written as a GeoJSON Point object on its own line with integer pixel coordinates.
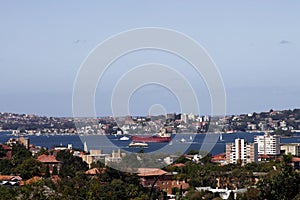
{"type": "Point", "coordinates": [268, 144]}
{"type": "Point", "coordinates": [241, 151]}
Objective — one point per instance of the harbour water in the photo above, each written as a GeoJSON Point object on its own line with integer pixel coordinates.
{"type": "Point", "coordinates": [189, 142]}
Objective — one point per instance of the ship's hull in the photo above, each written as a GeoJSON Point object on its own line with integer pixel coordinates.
{"type": "Point", "coordinates": [138, 144]}
{"type": "Point", "coordinates": [150, 139]}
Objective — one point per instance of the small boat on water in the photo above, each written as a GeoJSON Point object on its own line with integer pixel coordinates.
{"type": "Point", "coordinates": [221, 137]}
{"type": "Point", "coordinates": [138, 144]}
{"type": "Point", "coordinates": [124, 138]}
{"type": "Point", "coordinates": [183, 140]}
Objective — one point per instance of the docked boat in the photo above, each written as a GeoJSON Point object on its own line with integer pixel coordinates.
{"type": "Point", "coordinates": [162, 136]}
{"type": "Point", "coordinates": [138, 144]}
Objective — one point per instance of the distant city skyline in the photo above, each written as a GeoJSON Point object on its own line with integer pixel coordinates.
{"type": "Point", "coordinates": [255, 46]}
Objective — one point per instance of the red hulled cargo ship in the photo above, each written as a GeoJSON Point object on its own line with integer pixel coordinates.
{"type": "Point", "coordinates": [162, 136]}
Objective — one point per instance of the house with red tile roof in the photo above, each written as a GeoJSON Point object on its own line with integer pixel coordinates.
{"type": "Point", "coordinates": [161, 179]}
{"type": "Point", "coordinates": [50, 161]}
{"type": "Point", "coordinates": [219, 159]}
{"type": "Point", "coordinates": [296, 163]}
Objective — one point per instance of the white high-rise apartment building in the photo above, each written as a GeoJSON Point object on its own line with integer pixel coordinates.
{"type": "Point", "coordinates": [241, 151]}
{"type": "Point", "coordinates": [268, 144]}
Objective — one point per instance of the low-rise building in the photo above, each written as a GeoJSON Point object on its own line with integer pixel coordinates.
{"type": "Point", "coordinates": [20, 140]}
{"type": "Point", "coordinates": [296, 163]}
{"type": "Point", "coordinates": [219, 159]}
{"type": "Point", "coordinates": [116, 157]}
{"type": "Point", "coordinates": [160, 180]}
{"type": "Point", "coordinates": [94, 156]}
{"type": "Point", "coordinates": [293, 149]}
{"type": "Point", "coordinates": [50, 161]}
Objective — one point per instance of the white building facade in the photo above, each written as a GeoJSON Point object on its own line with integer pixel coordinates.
{"type": "Point", "coordinates": [268, 144]}
{"type": "Point", "coordinates": [241, 151]}
{"type": "Point", "coordinates": [293, 149]}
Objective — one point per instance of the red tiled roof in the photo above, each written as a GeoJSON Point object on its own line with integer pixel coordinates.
{"type": "Point", "coordinates": [33, 180]}
{"type": "Point", "coordinates": [5, 147]}
{"type": "Point", "coordinates": [296, 159]}
{"type": "Point", "coordinates": [219, 157]}
{"type": "Point", "coordinates": [264, 156]}
{"type": "Point", "coordinates": [188, 156]}
{"type": "Point", "coordinates": [95, 171]}
{"type": "Point", "coordinates": [9, 178]}
{"type": "Point", "coordinates": [178, 165]}
{"type": "Point", "coordinates": [150, 172]}
{"type": "Point", "coordinates": [47, 159]}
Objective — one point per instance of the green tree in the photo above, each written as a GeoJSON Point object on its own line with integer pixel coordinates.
{"type": "Point", "coordinates": [54, 171]}
{"type": "Point", "coordinates": [97, 164]}
{"type": "Point", "coordinates": [95, 190]}
{"type": "Point", "coordinates": [29, 168]}
{"type": "Point", "coordinates": [6, 193]}
{"type": "Point", "coordinates": [5, 166]}
{"type": "Point", "coordinates": [175, 191]}
{"type": "Point", "coordinates": [193, 152]}
{"type": "Point", "coordinates": [41, 152]}
{"type": "Point", "coordinates": [195, 182]}
{"type": "Point", "coordinates": [181, 159]}
{"type": "Point", "coordinates": [250, 194]}
{"type": "Point", "coordinates": [206, 157]}
{"type": "Point", "coordinates": [2, 151]}
{"type": "Point", "coordinates": [47, 172]}
{"type": "Point", "coordinates": [116, 189]}
{"type": "Point", "coordinates": [283, 185]}
{"type": "Point", "coordinates": [70, 164]}
{"type": "Point", "coordinates": [132, 191]}
{"type": "Point", "coordinates": [36, 191]}
{"type": "Point", "coordinates": [19, 154]}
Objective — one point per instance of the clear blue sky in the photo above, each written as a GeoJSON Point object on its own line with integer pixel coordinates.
{"type": "Point", "coordinates": [255, 45]}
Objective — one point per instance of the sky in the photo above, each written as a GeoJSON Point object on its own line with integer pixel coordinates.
{"type": "Point", "coordinates": [254, 44]}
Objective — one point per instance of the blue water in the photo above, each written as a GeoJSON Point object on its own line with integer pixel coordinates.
{"type": "Point", "coordinates": [98, 142]}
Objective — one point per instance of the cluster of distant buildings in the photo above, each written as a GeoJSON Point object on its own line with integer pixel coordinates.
{"type": "Point", "coordinates": [265, 147]}
{"type": "Point", "coordinates": [286, 120]}
{"type": "Point", "coordinates": [8, 149]}
{"type": "Point", "coordinates": [37, 125]}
